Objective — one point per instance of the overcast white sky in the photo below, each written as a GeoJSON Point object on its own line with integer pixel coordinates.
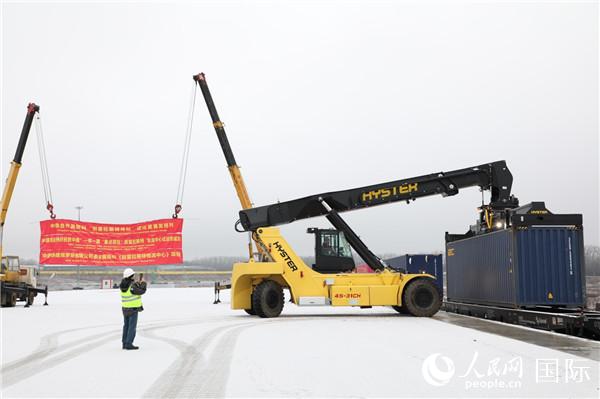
{"type": "Point", "coordinates": [316, 96]}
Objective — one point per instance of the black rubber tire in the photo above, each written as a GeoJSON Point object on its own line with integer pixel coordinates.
{"type": "Point", "coordinates": [250, 311]}
{"type": "Point", "coordinates": [267, 299]}
{"type": "Point", "coordinates": [421, 298]}
{"type": "Point", "coordinates": [400, 309]}
{"type": "Point", "coordinates": [30, 298]}
{"type": "Point", "coordinates": [11, 300]}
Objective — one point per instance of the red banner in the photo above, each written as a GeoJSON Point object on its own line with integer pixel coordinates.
{"type": "Point", "coordinates": [70, 242]}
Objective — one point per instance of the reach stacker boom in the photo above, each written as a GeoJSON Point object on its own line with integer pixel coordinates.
{"type": "Point", "coordinates": [257, 285]}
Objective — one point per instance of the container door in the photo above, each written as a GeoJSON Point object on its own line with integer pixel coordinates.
{"type": "Point", "coordinates": [550, 267]}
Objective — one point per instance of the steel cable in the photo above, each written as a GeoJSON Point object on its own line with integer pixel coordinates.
{"type": "Point", "coordinates": [186, 152]}
{"type": "Point", "coordinates": [44, 165]}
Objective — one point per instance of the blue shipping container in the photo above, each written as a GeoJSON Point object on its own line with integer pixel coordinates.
{"type": "Point", "coordinates": [518, 267]}
{"type": "Point", "coordinates": [431, 264]}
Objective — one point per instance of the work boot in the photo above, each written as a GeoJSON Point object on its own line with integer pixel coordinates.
{"type": "Point", "coordinates": [131, 347]}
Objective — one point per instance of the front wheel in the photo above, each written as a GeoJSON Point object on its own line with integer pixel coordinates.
{"type": "Point", "coordinates": [421, 298]}
{"type": "Point", "coordinates": [267, 299]}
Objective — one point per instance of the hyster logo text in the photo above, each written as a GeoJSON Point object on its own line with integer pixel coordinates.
{"type": "Point", "coordinates": [285, 256]}
{"type": "Point", "coordinates": [383, 193]}
{"type": "Point", "coordinates": [538, 212]}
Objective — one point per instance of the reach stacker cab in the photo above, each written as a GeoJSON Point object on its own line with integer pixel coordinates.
{"type": "Point", "coordinates": [333, 253]}
{"type": "Point", "coordinates": [258, 285]}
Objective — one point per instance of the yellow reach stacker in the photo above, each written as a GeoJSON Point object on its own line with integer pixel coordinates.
{"type": "Point", "coordinates": [257, 285]}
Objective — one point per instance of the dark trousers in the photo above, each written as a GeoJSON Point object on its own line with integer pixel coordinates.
{"type": "Point", "coordinates": [129, 328]}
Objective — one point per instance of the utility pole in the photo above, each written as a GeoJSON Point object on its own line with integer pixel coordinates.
{"type": "Point", "coordinates": [79, 208]}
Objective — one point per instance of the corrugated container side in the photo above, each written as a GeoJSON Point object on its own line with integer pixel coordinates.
{"type": "Point", "coordinates": [479, 270]}
{"type": "Point", "coordinates": [398, 262]}
{"type": "Point", "coordinates": [550, 266]}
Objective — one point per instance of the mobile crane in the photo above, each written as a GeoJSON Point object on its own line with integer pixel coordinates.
{"type": "Point", "coordinates": [17, 282]}
{"type": "Point", "coordinates": [257, 286]}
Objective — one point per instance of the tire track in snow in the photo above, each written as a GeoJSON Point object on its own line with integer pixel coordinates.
{"type": "Point", "coordinates": [34, 363]}
{"type": "Point", "coordinates": [48, 345]}
{"type": "Point", "coordinates": [42, 358]}
{"type": "Point", "coordinates": [35, 366]}
{"type": "Point", "coordinates": [191, 377]}
{"type": "Point", "coordinates": [217, 368]}
{"type": "Point", "coordinates": [214, 382]}
{"type": "Point", "coordinates": [181, 375]}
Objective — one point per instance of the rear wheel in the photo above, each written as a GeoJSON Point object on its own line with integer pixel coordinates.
{"type": "Point", "coordinates": [421, 298]}
{"type": "Point", "coordinates": [267, 299]}
{"type": "Point", "coordinates": [9, 299]}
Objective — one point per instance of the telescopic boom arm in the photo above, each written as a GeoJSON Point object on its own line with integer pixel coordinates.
{"type": "Point", "coordinates": [494, 176]}
{"type": "Point", "coordinates": [234, 170]}
{"type": "Point", "coordinates": [15, 165]}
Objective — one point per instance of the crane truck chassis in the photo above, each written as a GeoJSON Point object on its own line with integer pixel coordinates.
{"type": "Point", "coordinates": [19, 283]}
{"type": "Point", "coordinates": [257, 285]}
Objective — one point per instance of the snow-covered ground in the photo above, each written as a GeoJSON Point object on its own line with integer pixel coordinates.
{"type": "Point", "coordinates": [192, 348]}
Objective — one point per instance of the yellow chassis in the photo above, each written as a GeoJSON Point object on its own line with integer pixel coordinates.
{"type": "Point", "coordinates": [308, 287]}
